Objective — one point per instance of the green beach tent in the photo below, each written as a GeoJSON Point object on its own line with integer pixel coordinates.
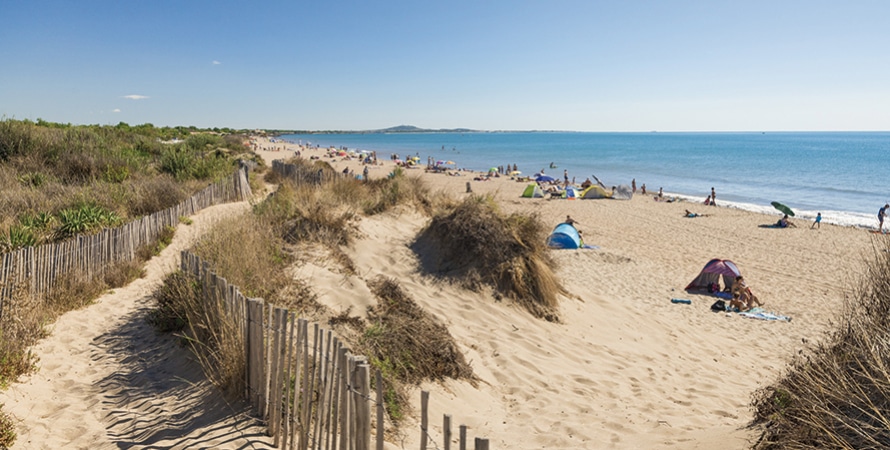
{"type": "Point", "coordinates": [533, 191]}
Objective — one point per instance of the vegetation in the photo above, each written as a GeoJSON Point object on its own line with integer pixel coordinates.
{"type": "Point", "coordinates": [838, 394]}
{"type": "Point", "coordinates": [60, 180]}
{"type": "Point", "coordinates": [407, 345]}
{"type": "Point", "coordinates": [477, 245]}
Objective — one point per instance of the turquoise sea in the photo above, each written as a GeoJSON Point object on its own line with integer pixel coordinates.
{"type": "Point", "coordinates": [840, 174]}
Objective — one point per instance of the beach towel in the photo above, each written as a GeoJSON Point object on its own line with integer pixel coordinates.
{"type": "Point", "coordinates": [759, 313]}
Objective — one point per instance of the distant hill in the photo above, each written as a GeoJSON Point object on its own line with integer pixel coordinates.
{"type": "Point", "coordinates": [413, 129]}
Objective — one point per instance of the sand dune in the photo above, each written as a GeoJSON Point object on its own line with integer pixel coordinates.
{"type": "Point", "coordinates": [625, 368]}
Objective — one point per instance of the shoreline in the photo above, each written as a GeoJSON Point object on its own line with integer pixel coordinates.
{"type": "Point", "coordinates": [860, 220]}
{"type": "Point", "coordinates": [626, 365]}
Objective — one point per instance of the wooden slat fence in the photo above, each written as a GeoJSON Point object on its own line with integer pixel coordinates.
{"type": "Point", "coordinates": [310, 390]}
{"type": "Point", "coordinates": [87, 257]}
{"type": "Point", "coordinates": [299, 174]}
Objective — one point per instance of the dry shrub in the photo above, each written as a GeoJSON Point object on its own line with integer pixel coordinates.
{"type": "Point", "coordinates": [475, 244]}
{"type": "Point", "coordinates": [407, 344]}
{"type": "Point", "coordinates": [206, 327]}
{"type": "Point", "coordinates": [7, 430]}
{"type": "Point", "coordinates": [21, 326]}
{"type": "Point", "coordinates": [154, 193]}
{"type": "Point", "coordinates": [838, 394]}
{"type": "Point", "coordinates": [245, 251]}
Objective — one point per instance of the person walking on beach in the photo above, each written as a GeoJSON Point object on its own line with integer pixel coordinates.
{"type": "Point", "coordinates": [818, 222]}
{"type": "Point", "coordinates": [633, 185]}
{"type": "Point", "coordinates": [881, 214]}
{"type": "Point", "coordinates": [565, 176]}
{"type": "Point", "coordinates": [713, 197]}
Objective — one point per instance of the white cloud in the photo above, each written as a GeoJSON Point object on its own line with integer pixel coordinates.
{"type": "Point", "coordinates": [116, 110]}
{"type": "Point", "coordinates": [136, 97]}
{"type": "Point", "coordinates": [216, 63]}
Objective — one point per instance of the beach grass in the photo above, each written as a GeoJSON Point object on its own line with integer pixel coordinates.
{"type": "Point", "coordinates": [838, 394]}
{"type": "Point", "coordinates": [478, 245]}
{"type": "Point", "coordinates": [408, 345]}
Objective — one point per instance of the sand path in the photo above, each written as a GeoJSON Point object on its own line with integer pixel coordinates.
{"type": "Point", "coordinates": [106, 379]}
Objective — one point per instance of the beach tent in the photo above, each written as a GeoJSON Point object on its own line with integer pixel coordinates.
{"type": "Point", "coordinates": [571, 193]}
{"type": "Point", "coordinates": [596, 191]}
{"type": "Point", "coordinates": [716, 271]}
{"type": "Point", "coordinates": [623, 192]}
{"type": "Point", "coordinates": [533, 191]}
{"type": "Point", "coordinates": [564, 236]}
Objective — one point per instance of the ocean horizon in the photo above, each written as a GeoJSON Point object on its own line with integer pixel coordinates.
{"type": "Point", "coordinates": [836, 173]}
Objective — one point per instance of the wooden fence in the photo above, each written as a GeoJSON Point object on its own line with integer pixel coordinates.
{"type": "Point", "coordinates": [86, 257]}
{"type": "Point", "coordinates": [298, 173]}
{"type": "Point", "coordinates": [306, 385]}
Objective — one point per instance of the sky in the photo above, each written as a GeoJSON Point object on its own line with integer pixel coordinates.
{"type": "Point", "coordinates": [583, 65]}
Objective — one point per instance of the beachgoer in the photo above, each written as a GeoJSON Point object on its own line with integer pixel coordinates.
{"type": "Point", "coordinates": [643, 188]}
{"type": "Point", "coordinates": [785, 223]}
{"type": "Point", "coordinates": [742, 291]}
{"type": "Point", "coordinates": [708, 200]}
{"type": "Point", "coordinates": [565, 176]}
{"type": "Point", "coordinates": [571, 221]}
{"type": "Point", "coordinates": [660, 192]}
{"type": "Point", "coordinates": [736, 304]}
{"type": "Point", "coordinates": [692, 214]}
{"type": "Point", "coordinates": [633, 185]}
{"type": "Point", "coordinates": [713, 197]}
{"type": "Point", "coordinates": [881, 214]}
{"type": "Point", "coordinates": [365, 174]}
{"type": "Point", "coordinates": [586, 184]}
{"type": "Point", "coordinates": [818, 222]}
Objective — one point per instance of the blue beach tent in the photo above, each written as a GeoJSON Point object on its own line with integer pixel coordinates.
{"type": "Point", "coordinates": [564, 236]}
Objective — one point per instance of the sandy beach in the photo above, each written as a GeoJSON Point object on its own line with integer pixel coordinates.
{"type": "Point", "coordinates": [626, 367]}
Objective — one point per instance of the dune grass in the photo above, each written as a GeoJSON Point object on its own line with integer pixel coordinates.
{"type": "Point", "coordinates": [407, 345]}
{"type": "Point", "coordinates": [838, 394]}
{"type": "Point", "coordinates": [477, 245]}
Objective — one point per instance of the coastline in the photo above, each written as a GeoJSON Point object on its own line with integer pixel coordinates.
{"type": "Point", "coordinates": [627, 367]}
{"type": "Point", "coordinates": [750, 170]}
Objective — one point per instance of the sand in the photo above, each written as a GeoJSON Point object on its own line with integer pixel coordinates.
{"type": "Point", "coordinates": [625, 368]}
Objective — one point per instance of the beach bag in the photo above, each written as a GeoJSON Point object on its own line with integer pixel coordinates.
{"type": "Point", "coordinates": [718, 306]}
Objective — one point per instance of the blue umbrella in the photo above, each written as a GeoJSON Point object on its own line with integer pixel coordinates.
{"type": "Point", "coordinates": [545, 179]}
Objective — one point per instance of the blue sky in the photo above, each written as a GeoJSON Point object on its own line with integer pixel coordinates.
{"type": "Point", "coordinates": [493, 65]}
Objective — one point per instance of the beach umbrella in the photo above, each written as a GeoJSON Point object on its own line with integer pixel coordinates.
{"type": "Point", "coordinates": [545, 179]}
{"type": "Point", "coordinates": [440, 162]}
{"type": "Point", "coordinates": [783, 208]}
{"type": "Point", "coordinates": [515, 172]}
{"type": "Point", "coordinates": [450, 162]}
{"type": "Point", "coordinates": [493, 169]}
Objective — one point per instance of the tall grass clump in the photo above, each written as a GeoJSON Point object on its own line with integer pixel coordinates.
{"type": "Point", "coordinates": [476, 244]}
{"type": "Point", "coordinates": [204, 324]}
{"type": "Point", "coordinates": [407, 345]}
{"type": "Point", "coordinates": [838, 394]}
{"type": "Point", "coordinates": [245, 252]}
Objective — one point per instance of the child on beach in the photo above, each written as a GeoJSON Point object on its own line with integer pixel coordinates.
{"type": "Point", "coordinates": [818, 222]}
{"type": "Point", "coordinates": [881, 214]}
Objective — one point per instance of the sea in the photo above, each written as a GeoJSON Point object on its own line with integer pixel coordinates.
{"type": "Point", "coordinates": [840, 174]}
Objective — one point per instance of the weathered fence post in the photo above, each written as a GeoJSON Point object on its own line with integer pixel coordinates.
{"type": "Point", "coordinates": [424, 405]}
